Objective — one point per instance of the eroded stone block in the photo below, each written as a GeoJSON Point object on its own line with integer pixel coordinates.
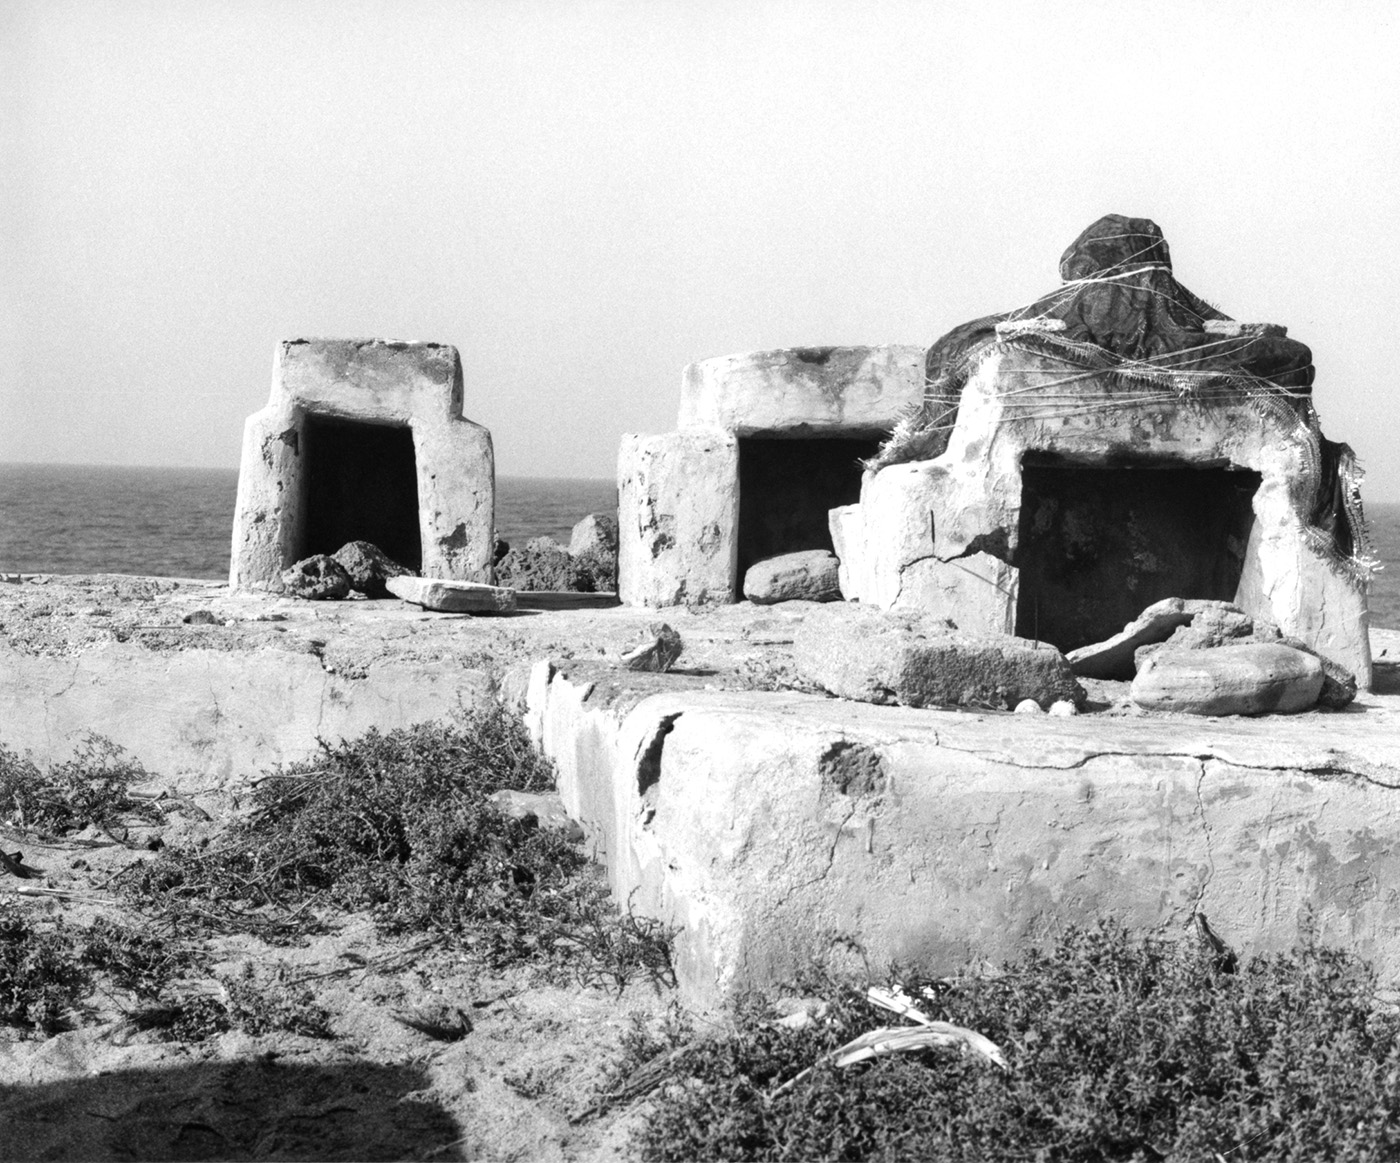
{"type": "Point", "coordinates": [678, 511]}
{"type": "Point", "coordinates": [364, 440]}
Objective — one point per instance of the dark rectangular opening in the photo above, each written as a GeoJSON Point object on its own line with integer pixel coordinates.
{"type": "Point", "coordinates": [786, 486]}
{"type": "Point", "coordinates": [361, 485]}
{"type": "Point", "coordinates": [1098, 545]}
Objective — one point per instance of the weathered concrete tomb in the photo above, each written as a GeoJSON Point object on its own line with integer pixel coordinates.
{"type": "Point", "coordinates": [767, 444]}
{"type": "Point", "coordinates": [1050, 472]}
{"type": "Point", "coordinates": [364, 440]}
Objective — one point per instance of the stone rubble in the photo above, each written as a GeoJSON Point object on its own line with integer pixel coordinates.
{"type": "Point", "coordinates": [910, 658]}
{"type": "Point", "coordinates": [811, 575]}
{"type": "Point", "coordinates": [368, 567]}
{"type": "Point", "coordinates": [318, 578]}
{"type": "Point", "coordinates": [658, 653]}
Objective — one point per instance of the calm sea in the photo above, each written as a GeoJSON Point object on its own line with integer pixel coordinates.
{"type": "Point", "coordinates": [177, 522]}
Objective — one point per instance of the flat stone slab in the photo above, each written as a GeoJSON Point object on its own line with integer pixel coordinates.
{"type": "Point", "coordinates": [452, 597]}
{"type": "Point", "coordinates": [778, 831]}
{"type": "Point", "coordinates": [564, 600]}
{"type": "Point", "coordinates": [812, 575]}
{"type": "Point", "coordinates": [1114, 657]}
{"type": "Point", "coordinates": [906, 657]}
{"type": "Point", "coordinates": [1256, 679]}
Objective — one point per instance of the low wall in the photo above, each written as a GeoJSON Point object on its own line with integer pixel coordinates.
{"type": "Point", "coordinates": [779, 829]}
{"type": "Point", "coordinates": [212, 713]}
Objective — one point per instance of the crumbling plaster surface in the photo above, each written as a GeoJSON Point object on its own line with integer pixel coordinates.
{"type": "Point", "coordinates": [812, 390]}
{"type": "Point", "coordinates": [776, 829]}
{"type": "Point", "coordinates": [677, 518]}
{"type": "Point", "coordinates": [938, 534]}
{"type": "Point", "coordinates": [415, 385]}
{"type": "Point", "coordinates": [678, 492]}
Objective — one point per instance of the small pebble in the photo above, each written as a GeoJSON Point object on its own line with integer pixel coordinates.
{"type": "Point", "coordinates": [1028, 707]}
{"type": "Point", "coordinates": [1063, 708]}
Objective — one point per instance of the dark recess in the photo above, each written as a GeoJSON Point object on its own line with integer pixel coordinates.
{"type": "Point", "coordinates": [362, 485]}
{"type": "Point", "coordinates": [1098, 545]}
{"type": "Point", "coordinates": [786, 487]}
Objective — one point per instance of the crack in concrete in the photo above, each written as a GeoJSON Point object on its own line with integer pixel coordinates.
{"type": "Point", "coordinates": [829, 864]}
{"type": "Point", "coordinates": [1206, 831]}
{"type": "Point", "coordinates": [1337, 768]}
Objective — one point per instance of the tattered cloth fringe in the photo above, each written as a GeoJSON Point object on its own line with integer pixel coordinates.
{"type": "Point", "coordinates": [923, 431]}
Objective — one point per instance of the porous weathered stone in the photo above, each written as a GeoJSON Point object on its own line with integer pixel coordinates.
{"type": "Point", "coordinates": [812, 576]}
{"type": "Point", "coordinates": [1253, 679]}
{"type": "Point", "coordinates": [815, 389]}
{"type": "Point", "coordinates": [658, 653]}
{"type": "Point", "coordinates": [368, 567]}
{"type": "Point", "coordinates": [452, 597]}
{"type": "Point", "coordinates": [1115, 657]}
{"type": "Point", "coordinates": [596, 533]}
{"type": "Point", "coordinates": [678, 500]}
{"type": "Point", "coordinates": [541, 564]}
{"type": "Point", "coordinates": [318, 578]}
{"type": "Point", "coordinates": [905, 657]}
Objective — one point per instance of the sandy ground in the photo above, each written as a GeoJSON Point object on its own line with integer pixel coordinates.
{"type": "Point", "coordinates": [510, 1089]}
{"type": "Point", "coordinates": [536, 1054]}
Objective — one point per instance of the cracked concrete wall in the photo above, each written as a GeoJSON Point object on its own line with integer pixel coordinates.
{"type": "Point", "coordinates": [940, 534]}
{"type": "Point", "coordinates": [949, 838]}
{"type": "Point", "coordinates": [412, 385]}
{"type": "Point", "coordinates": [218, 715]}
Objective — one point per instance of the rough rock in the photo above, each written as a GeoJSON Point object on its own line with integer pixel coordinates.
{"type": "Point", "coordinates": [452, 597]}
{"type": "Point", "coordinates": [1115, 657]}
{"type": "Point", "coordinates": [812, 576]}
{"type": "Point", "coordinates": [544, 564]}
{"type": "Point", "coordinates": [906, 657]}
{"type": "Point", "coordinates": [540, 564]}
{"type": "Point", "coordinates": [546, 809]}
{"type": "Point", "coordinates": [596, 533]}
{"type": "Point", "coordinates": [1253, 679]}
{"type": "Point", "coordinates": [369, 567]}
{"type": "Point", "coordinates": [317, 579]}
{"type": "Point", "coordinates": [658, 653]}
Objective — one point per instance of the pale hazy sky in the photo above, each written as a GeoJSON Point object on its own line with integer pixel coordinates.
{"type": "Point", "coordinates": [583, 197]}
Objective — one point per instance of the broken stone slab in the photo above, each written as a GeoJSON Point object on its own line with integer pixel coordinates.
{"type": "Point", "coordinates": [909, 658]}
{"type": "Point", "coordinates": [452, 597]}
{"type": "Point", "coordinates": [1115, 657]}
{"type": "Point", "coordinates": [812, 575]}
{"type": "Point", "coordinates": [318, 578]}
{"type": "Point", "coordinates": [1255, 679]}
{"type": "Point", "coordinates": [368, 567]}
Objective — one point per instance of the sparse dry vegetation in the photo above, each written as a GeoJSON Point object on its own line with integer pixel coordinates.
{"type": "Point", "coordinates": [1117, 1050]}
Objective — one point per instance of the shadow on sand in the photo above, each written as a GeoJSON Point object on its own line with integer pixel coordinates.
{"type": "Point", "coordinates": [261, 1109]}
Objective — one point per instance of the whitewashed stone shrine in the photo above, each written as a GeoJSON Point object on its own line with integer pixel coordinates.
{"type": "Point", "coordinates": [1115, 443]}
{"type": "Point", "coordinates": [767, 443]}
{"type": "Point", "coordinates": [364, 440]}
